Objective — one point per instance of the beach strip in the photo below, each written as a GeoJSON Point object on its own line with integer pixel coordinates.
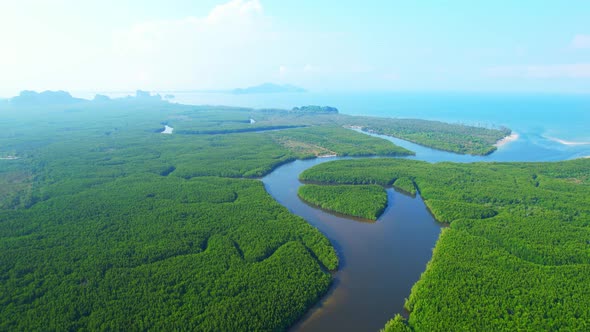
{"type": "Point", "coordinates": [511, 138]}
{"type": "Point", "coordinates": [564, 142]}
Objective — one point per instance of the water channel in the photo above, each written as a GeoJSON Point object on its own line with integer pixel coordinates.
{"type": "Point", "coordinates": [379, 261]}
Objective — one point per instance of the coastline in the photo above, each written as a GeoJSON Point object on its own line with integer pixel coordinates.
{"type": "Point", "coordinates": [511, 138]}
{"type": "Point", "coordinates": [167, 130]}
{"type": "Point", "coordinates": [564, 142]}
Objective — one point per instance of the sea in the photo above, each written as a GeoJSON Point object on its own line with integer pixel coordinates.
{"type": "Point", "coordinates": [550, 127]}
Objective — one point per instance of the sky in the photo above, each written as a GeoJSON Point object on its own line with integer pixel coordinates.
{"type": "Point", "coordinates": [456, 45]}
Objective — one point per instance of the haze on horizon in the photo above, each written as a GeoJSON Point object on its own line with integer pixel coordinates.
{"type": "Point", "coordinates": [110, 45]}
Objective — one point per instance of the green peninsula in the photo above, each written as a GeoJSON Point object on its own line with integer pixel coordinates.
{"type": "Point", "coordinates": [455, 138]}
{"type": "Point", "coordinates": [365, 201]}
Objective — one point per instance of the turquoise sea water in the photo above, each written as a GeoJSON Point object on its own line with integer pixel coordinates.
{"type": "Point", "coordinates": [550, 127]}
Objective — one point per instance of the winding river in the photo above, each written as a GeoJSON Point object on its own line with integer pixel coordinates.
{"type": "Point", "coordinates": [379, 261]}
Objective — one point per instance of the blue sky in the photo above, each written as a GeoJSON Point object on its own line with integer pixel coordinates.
{"type": "Point", "coordinates": [483, 46]}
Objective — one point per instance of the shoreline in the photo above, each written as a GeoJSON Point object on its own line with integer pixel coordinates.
{"type": "Point", "coordinates": [327, 155]}
{"type": "Point", "coordinates": [167, 130]}
{"type": "Point", "coordinates": [564, 142]}
{"type": "Point", "coordinates": [511, 138]}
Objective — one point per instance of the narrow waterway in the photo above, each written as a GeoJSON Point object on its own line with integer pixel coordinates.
{"type": "Point", "coordinates": [379, 261]}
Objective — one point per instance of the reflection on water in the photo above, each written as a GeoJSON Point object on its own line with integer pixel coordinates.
{"type": "Point", "coordinates": [379, 262]}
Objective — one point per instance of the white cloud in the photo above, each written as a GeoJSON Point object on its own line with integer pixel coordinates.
{"type": "Point", "coordinates": [236, 22]}
{"type": "Point", "coordinates": [233, 44]}
{"type": "Point", "coordinates": [226, 45]}
{"type": "Point", "coordinates": [235, 10]}
{"type": "Point", "coordinates": [230, 45]}
{"type": "Point", "coordinates": [581, 41]}
{"type": "Point", "coordinates": [579, 70]}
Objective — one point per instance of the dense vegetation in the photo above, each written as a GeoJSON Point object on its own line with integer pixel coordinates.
{"type": "Point", "coordinates": [107, 224]}
{"type": "Point", "coordinates": [516, 255]}
{"type": "Point", "coordinates": [316, 109]}
{"type": "Point", "coordinates": [150, 252]}
{"type": "Point", "coordinates": [405, 184]}
{"type": "Point", "coordinates": [443, 136]}
{"type": "Point", "coordinates": [396, 324]}
{"type": "Point", "coordinates": [367, 201]}
{"type": "Point", "coordinates": [328, 140]}
{"type": "Point", "coordinates": [439, 135]}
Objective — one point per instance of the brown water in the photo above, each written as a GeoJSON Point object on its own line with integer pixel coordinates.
{"type": "Point", "coordinates": [379, 262]}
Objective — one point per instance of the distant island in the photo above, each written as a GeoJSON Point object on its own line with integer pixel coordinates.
{"type": "Point", "coordinates": [316, 109]}
{"type": "Point", "coordinates": [269, 88]}
{"type": "Point", "coordinates": [45, 98]}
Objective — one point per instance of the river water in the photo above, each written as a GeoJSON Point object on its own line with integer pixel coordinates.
{"type": "Point", "coordinates": [380, 261]}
